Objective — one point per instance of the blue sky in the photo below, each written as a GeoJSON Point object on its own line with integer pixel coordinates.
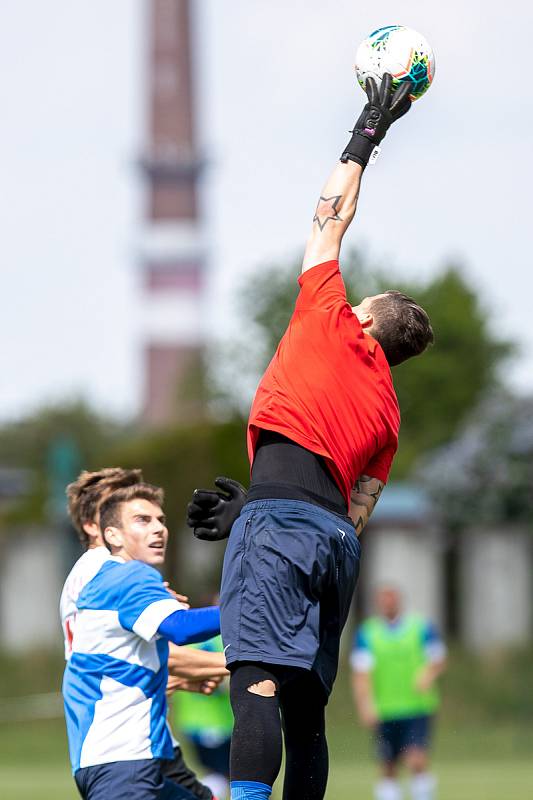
{"type": "Point", "coordinates": [277, 96]}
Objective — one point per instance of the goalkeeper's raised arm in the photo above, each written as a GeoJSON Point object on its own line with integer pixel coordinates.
{"type": "Point", "coordinates": [338, 200]}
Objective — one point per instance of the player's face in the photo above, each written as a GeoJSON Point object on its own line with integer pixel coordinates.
{"type": "Point", "coordinates": [388, 603]}
{"type": "Point", "coordinates": [143, 534]}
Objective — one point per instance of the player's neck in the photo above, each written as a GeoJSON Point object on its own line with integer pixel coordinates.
{"type": "Point", "coordinates": [393, 620]}
{"type": "Point", "coordinates": [94, 543]}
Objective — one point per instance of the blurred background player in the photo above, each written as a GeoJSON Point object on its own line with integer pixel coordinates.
{"type": "Point", "coordinates": [207, 722]}
{"type": "Point", "coordinates": [322, 434]}
{"type": "Point", "coordinates": [200, 666]}
{"type": "Point", "coordinates": [396, 661]}
{"type": "Point", "coordinates": [191, 671]}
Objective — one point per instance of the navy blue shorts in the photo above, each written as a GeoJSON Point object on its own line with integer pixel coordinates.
{"type": "Point", "coordinates": [214, 759]}
{"type": "Point", "coordinates": [128, 780]}
{"type": "Point", "coordinates": [396, 736]}
{"type": "Point", "coordinates": [289, 574]}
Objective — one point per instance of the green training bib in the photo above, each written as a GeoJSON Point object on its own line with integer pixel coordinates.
{"type": "Point", "coordinates": [399, 656]}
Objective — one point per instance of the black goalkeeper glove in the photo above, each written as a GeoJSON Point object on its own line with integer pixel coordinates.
{"type": "Point", "coordinates": [383, 108]}
{"type": "Point", "coordinates": [212, 514]}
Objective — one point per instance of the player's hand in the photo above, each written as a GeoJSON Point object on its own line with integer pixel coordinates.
{"type": "Point", "coordinates": [212, 514]}
{"type": "Point", "coordinates": [368, 717]}
{"type": "Point", "coordinates": [384, 107]}
{"type": "Point", "coordinates": [424, 680]}
{"type": "Point", "coordinates": [181, 598]}
{"type": "Point", "coordinates": [206, 686]}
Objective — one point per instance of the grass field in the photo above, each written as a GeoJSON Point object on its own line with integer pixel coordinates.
{"type": "Point", "coordinates": [33, 764]}
{"type": "Point", "coordinates": [483, 748]}
{"type": "Point", "coordinates": [473, 781]}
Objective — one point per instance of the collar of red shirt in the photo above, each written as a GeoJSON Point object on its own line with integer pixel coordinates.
{"type": "Point", "coordinates": [371, 343]}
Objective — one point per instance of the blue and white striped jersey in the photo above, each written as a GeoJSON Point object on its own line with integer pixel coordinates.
{"type": "Point", "coordinates": [79, 576]}
{"type": "Point", "coordinates": [115, 680]}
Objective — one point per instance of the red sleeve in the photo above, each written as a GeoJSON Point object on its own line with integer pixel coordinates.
{"type": "Point", "coordinates": [321, 288]}
{"type": "Point", "coordinates": [379, 466]}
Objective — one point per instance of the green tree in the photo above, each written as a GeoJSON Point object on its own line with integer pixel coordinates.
{"type": "Point", "coordinates": [181, 459]}
{"type": "Point", "coordinates": [485, 475]}
{"type": "Point", "coordinates": [50, 444]}
{"type": "Point", "coordinates": [436, 392]}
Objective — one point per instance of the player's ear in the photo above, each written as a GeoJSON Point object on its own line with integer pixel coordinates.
{"type": "Point", "coordinates": [92, 529]}
{"type": "Point", "coordinates": [365, 317]}
{"type": "Point", "coordinates": [113, 536]}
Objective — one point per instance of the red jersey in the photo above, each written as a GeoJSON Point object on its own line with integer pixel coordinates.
{"type": "Point", "coordinates": [329, 387]}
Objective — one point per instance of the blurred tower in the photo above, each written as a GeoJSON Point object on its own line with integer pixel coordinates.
{"type": "Point", "coordinates": [172, 251]}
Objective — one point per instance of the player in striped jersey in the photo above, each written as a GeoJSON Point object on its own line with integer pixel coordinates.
{"type": "Point", "coordinates": [189, 669]}
{"type": "Point", "coordinates": [84, 497]}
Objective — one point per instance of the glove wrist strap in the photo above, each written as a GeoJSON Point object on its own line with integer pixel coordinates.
{"type": "Point", "coordinates": [358, 149]}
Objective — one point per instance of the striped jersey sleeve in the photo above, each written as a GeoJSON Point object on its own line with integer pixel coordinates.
{"type": "Point", "coordinates": [144, 601]}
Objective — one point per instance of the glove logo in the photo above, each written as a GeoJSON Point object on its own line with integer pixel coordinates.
{"type": "Point", "coordinates": [374, 155]}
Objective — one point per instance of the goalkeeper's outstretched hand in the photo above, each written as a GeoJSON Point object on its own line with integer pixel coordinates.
{"type": "Point", "coordinates": [212, 514]}
{"type": "Point", "coordinates": [384, 107]}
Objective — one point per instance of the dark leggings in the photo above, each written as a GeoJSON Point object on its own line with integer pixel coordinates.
{"type": "Point", "coordinates": [297, 708]}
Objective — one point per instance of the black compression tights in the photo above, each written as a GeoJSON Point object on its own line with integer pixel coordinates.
{"type": "Point", "coordinates": [299, 704]}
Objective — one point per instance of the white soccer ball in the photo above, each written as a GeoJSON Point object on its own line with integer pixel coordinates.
{"type": "Point", "coordinates": [402, 52]}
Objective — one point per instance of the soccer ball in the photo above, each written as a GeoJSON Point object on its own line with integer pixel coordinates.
{"type": "Point", "coordinates": [401, 51]}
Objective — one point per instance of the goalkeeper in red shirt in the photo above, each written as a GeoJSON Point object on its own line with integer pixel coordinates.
{"type": "Point", "coordinates": [322, 434]}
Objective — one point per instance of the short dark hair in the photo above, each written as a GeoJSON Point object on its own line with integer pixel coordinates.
{"type": "Point", "coordinates": [401, 326]}
{"type": "Point", "coordinates": [86, 493]}
{"type": "Point", "coordinates": [111, 508]}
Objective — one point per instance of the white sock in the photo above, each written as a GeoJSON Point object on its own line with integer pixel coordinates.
{"type": "Point", "coordinates": [388, 789]}
{"type": "Point", "coordinates": [423, 786]}
{"type": "Point", "coordinates": [218, 784]}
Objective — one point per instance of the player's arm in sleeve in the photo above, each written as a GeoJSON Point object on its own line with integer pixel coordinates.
{"type": "Point", "coordinates": [362, 663]}
{"type": "Point", "coordinates": [338, 201]}
{"type": "Point", "coordinates": [196, 665]}
{"type": "Point", "coordinates": [436, 654]}
{"type": "Point", "coordinates": [147, 608]}
{"type": "Point", "coordinates": [187, 626]}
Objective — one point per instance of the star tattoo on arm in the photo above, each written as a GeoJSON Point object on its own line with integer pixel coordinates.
{"type": "Point", "coordinates": [326, 210]}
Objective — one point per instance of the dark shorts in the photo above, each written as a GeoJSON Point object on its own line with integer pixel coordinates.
{"type": "Point", "coordinates": [177, 771]}
{"type": "Point", "coordinates": [396, 736]}
{"type": "Point", "coordinates": [289, 574]}
{"type": "Point", "coordinates": [128, 780]}
{"type": "Point", "coordinates": [214, 759]}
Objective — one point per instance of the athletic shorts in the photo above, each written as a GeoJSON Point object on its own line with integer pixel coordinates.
{"type": "Point", "coordinates": [128, 780]}
{"type": "Point", "coordinates": [177, 771]}
{"type": "Point", "coordinates": [213, 759]}
{"type": "Point", "coordinates": [289, 573]}
{"type": "Point", "coordinates": [394, 737]}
